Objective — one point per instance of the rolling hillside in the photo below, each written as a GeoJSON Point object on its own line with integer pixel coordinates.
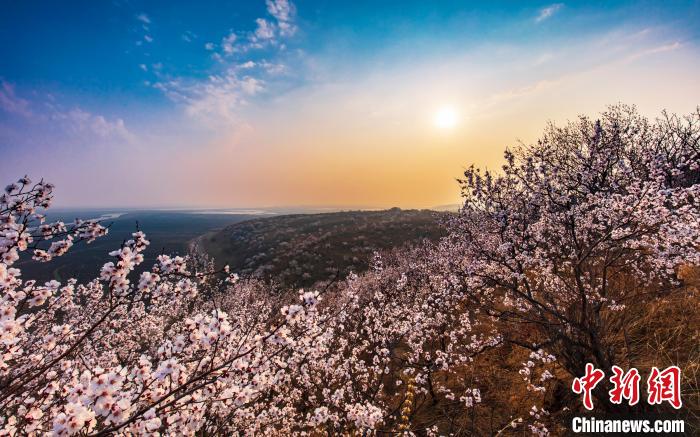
{"type": "Point", "coordinates": [299, 250]}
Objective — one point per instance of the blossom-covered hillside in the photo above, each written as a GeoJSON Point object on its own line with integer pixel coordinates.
{"type": "Point", "coordinates": [300, 250]}
{"type": "Point", "coordinates": [583, 248]}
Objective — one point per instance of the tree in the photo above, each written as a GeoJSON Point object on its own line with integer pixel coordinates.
{"type": "Point", "coordinates": [158, 355]}
{"type": "Point", "coordinates": [597, 216]}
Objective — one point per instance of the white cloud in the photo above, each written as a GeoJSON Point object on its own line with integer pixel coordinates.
{"type": "Point", "coordinates": [547, 12]}
{"type": "Point", "coordinates": [220, 96]}
{"type": "Point", "coordinates": [510, 94]}
{"type": "Point", "coordinates": [273, 68]}
{"type": "Point", "coordinates": [654, 50]}
{"type": "Point", "coordinates": [265, 29]}
{"type": "Point", "coordinates": [543, 59]}
{"type": "Point", "coordinates": [50, 129]}
{"type": "Point", "coordinates": [597, 57]}
{"type": "Point", "coordinates": [216, 99]}
{"type": "Point", "coordinates": [264, 35]}
{"type": "Point", "coordinates": [143, 67]}
{"type": "Point", "coordinates": [227, 43]}
{"type": "Point", "coordinates": [251, 86]}
{"type": "Point", "coordinates": [10, 102]}
{"type": "Point", "coordinates": [145, 24]}
{"type": "Point", "coordinates": [143, 18]}
{"type": "Point", "coordinates": [189, 36]}
{"type": "Point", "coordinates": [284, 12]}
{"type": "Point", "coordinates": [80, 121]}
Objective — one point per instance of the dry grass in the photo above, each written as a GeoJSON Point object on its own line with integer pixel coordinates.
{"type": "Point", "coordinates": [655, 331]}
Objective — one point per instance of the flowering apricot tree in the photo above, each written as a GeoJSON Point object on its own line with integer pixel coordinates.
{"type": "Point", "coordinates": [596, 216]}
{"type": "Point", "coordinates": [157, 355]}
{"type": "Point", "coordinates": [184, 347]}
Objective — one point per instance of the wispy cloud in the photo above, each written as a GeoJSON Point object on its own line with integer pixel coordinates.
{"type": "Point", "coordinates": [80, 121]}
{"type": "Point", "coordinates": [265, 29]}
{"type": "Point", "coordinates": [10, 102]}
{"type": "Point", "coordinates": [267, 32]}
{"type": "Point", "coordinates": [502, 96]}
{"type": "Point", "coordinates": [548, 12]}
{"type": "Point", "coordinates": [49, 115]}
{"type": "Point", "coordinates": [189, 36]}
{"type": "Point", "coordinates": [272, 68]}
{"type": "Point", "coordinates": [654, 50]}
{"type": "Point", "coordinates": [237, 78]}
{"type": "Point", "coordinates": [598, 58]}
{"type": "Point", "coordinates": [215, 100]}
{"type": "Point", "coordinates": [145, 29]}
{"type": "Point", "coordinates": [143, 18]}
{"type": "Point", "coordinates": [227, 43]}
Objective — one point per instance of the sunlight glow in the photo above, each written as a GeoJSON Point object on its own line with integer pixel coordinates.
{"type": "Point", "coordinates": [446, 117]}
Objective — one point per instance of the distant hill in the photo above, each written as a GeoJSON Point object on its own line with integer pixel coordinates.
{"type": "Point", "coordinates": [452, 207]}
{"type": "Point", "coordinates": [168, 231]}
{"type": "Point", "coordinates": [299, 250]}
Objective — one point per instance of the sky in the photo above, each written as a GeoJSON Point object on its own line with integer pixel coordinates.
{"type": "Point", "coordinates": [289, 103]}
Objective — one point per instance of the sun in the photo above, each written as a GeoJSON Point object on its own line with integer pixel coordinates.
{"type": "Point", "coordinates": [446, 117]}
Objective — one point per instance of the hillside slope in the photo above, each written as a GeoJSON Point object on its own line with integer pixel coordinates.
{"type": "Point", "coordinates": [299, 250]}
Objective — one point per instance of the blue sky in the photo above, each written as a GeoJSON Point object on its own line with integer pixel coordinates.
{"type": "Point", "coordinates": [254, 103]}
